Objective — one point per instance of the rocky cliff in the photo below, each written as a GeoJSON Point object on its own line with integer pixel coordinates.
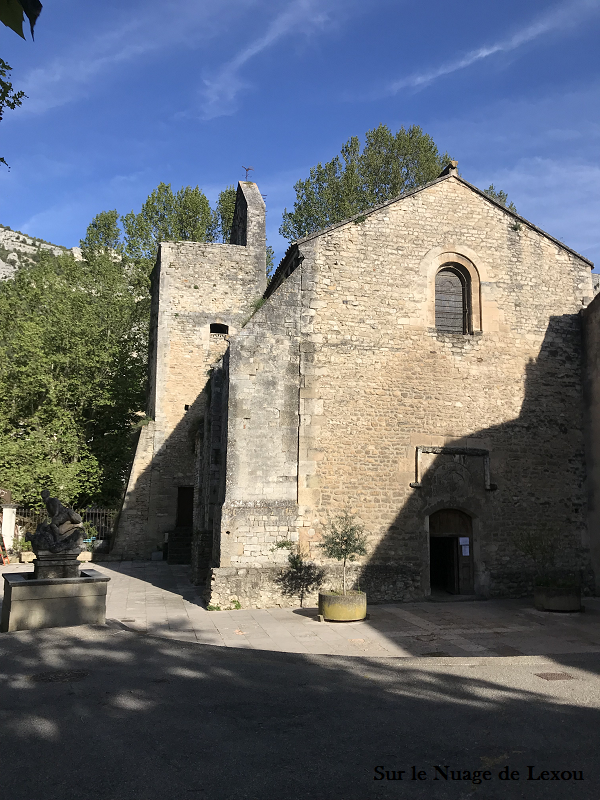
{"type": "Point", "coordinates": [17, 249]}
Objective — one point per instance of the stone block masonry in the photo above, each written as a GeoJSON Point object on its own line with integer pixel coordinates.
{"type": "Point", "coordinates": [342, 375]}
{"type": "Point", "coordinates": [339, 391]}
{"type": "Point", "coordinates": [195, 285]}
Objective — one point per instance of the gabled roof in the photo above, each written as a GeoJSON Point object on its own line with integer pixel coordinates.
{"type": "Point", "coordinates": [457, 177]}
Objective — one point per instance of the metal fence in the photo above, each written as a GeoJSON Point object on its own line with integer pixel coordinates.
{"type": "Point", "coordinates": [100, 521]}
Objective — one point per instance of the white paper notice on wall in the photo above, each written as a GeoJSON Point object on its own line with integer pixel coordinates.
{"type": "Point", "coordinates": [465, 549]}
{"type": "Point", "coordinates": [463, 540]}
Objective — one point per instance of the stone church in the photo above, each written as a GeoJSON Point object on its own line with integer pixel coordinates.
{"type": "Point", "coordinates": [433, 365]}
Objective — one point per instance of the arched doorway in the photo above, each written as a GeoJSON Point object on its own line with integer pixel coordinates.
{"type": "Point", "coordinates": [451, 552]}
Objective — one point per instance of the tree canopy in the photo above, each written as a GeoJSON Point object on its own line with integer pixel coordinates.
{"type": "Point", "coordinates": [74, 348]}
{"type": "Point", "coordinates": [224, 212]}
{"type": "Point", "coordinates": [500, 197]}
{"type": "Point", "coordinates": [388, 165]}
{"type": "Point", "coordinates": [72, 374]}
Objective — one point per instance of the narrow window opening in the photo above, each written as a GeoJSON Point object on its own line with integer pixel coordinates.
{"type": "Point", "coordinates": [452, 300]}
{"type": "Point", "coordinates": [217, 327]}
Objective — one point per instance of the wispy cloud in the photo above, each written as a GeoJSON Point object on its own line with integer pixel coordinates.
{"type": "Point", "coordinates": [559, 18]}
{"type": "Point", "coordinates": [561, 196]}
{"type": "Point", "coordinates": [69, 76]}
{"type": "Point", "coordinates": [220, 91]}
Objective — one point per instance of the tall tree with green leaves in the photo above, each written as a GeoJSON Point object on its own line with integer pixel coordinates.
{"type": "Point", "coordinates": [103, 235]}
{"type": "Point", "coordinates": [72, 375]}
{"type": "Point", "coordinates": [224, 212]}
{"type": "Point", "coordinates": [356, 180]}
{"type": "Point", "coordinates": [167, 216]}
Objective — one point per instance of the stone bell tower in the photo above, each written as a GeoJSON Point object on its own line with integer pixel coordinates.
{"type": "Point", "coordinates": [202, 293]}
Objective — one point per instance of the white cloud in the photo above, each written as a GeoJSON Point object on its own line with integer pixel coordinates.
{"type": "Point", "coordinates": [560, 18]}
{"type": "Point", "coordinates": [69, 76]}
{"type": "Point", "coordinates": [559, 196]}
{"type": "Point", "coordinates": [221, 90]}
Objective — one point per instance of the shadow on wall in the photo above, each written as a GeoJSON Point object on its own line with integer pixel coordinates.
{"type": "Point", "coordinates": [151, 718]}
{"type": "Point", "coordinates": [463, 519]}
{"type": "Point", "coordinates": [535, 482]}
{"type": "Point", "coordinates": [150, 509]}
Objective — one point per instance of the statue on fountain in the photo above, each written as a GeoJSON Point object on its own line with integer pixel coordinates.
{"type": "Point", "coordinates": [64, 532]}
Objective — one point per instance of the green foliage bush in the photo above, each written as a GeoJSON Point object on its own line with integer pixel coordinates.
{"type": "Point", "coordinates": [344, 539]}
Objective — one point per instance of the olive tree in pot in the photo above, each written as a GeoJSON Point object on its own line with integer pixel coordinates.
{"type": "Point", "coordinates": [554, 590]}
{"type": "Point", "coordinates": [344, 539]}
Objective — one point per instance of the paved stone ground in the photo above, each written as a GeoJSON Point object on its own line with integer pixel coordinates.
{"type": "Point", "coordinates": [109, 714]}
{"type": "Point", "coordinates": [155, 598]}
{"type": "Point", "coordinates": [114, 714]}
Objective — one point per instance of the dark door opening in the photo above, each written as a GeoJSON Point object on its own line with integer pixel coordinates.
{"type": "Point", "coordinates": [443, 568]}
{"type": "Point", "coordinates": [451, 552]}
{"type": "Point", "coordinates": [185, 507]}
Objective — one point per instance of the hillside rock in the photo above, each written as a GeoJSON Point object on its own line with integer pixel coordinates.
{"type": "Point", "coordinates": [17, 249]}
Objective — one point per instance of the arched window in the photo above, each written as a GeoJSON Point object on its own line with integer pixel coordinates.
{"type": "Point", "coordinates": [217, 327]}
{"type": "Point", "coordinates": [453, 300]}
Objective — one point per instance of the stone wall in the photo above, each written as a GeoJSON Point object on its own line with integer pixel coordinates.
{"type": "Point", "coordinates": [261, 587]}
{"type": "Point", "coordinates": [376, 381]}
{"type": "Point", "coordinates": [194, 284]}
{"type": "Point", "coordinates": [591, 330]}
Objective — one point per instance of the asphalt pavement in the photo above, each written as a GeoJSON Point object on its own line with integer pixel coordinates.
{"type": "Point", "coordinates": [111, 713]}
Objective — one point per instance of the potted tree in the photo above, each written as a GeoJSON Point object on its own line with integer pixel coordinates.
{"type": "Point", "coordinates": [344, 539]}
{"type": "Point", "coordinates": [554, 590]}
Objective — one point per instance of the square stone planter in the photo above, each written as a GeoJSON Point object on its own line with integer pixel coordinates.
{"type": "Point", "coordinates": [550, 598]}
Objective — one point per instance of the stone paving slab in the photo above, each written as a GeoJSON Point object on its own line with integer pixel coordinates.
{"type": "Point", "coordinates": [157, 599]}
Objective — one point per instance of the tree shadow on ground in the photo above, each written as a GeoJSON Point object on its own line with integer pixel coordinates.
{"type": "Point", "coordinates": [106, 713]}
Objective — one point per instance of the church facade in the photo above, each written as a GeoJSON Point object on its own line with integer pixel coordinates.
{"type": "Point", "coordinates": [422, 365]}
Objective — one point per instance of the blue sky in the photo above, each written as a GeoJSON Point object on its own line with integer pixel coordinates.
{"type": "Point", "coordinates": [122, 96]}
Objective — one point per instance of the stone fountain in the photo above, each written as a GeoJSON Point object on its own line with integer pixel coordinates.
{"type": "Point", "coordinates": [57, 593]}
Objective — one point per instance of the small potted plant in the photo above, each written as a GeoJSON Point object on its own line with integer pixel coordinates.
{"type": "Point", "coordinates": [554, 590]}
{"type": "Point", "coordinates": [344, 540]}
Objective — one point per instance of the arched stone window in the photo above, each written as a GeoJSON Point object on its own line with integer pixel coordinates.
{"type": "Point", "coordinates": [453, 299]}
{"type": "Point", "coordinates": [218, 327]}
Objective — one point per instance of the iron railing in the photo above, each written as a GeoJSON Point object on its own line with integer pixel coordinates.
{"type": "Point", "coordinates": [100, 521]}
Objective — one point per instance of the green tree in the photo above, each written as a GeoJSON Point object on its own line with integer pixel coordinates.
{"type": "Point", "coordinates": [103, 235]}
{"type": "Point", "coordinates": [167, 217]}
{"type": "Point", "coordinates": [500, 197]}
{"type": "Point", "coordinates": [9, 98]}
{"type": "Point", "coordinates": [72, 374]}
{"type": "Point", "coordinates": [224, 212]}
{"type": "Point", "coordinates": [388, 165]}
{"type": "Point", "coordinates": [344, 539]}
{"type": "Point", "coordinates": [270, 262]}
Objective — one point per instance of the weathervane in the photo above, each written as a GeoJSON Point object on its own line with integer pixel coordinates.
{"type": "Point", "coordinates": [247, 170]}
